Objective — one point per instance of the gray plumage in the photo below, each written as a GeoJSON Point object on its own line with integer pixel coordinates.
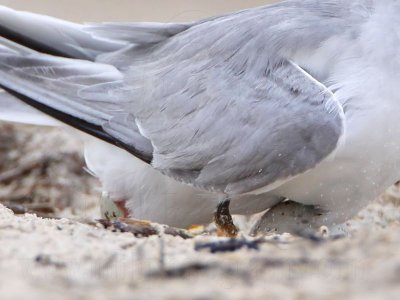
{"type": "Point", "coordinates": [219, 103]}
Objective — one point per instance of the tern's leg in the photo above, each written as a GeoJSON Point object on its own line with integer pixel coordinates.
{"type": "Point", "coordinates": [116, 209]}
{"type": "Point", "coordinates": [113, 209]}
{"type": "Point", "coordinates": [121, 205]}
{"type": "Point", "coordinates": [117, 216]}
{"type": "Point", "coordinates": [290, 217]}
{"type": "Point", "coordinates": [224, 221]}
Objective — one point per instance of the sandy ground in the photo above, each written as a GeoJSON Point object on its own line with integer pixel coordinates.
{"type": "Point", "coordinates": [61, 259]}
{"type": "Point", "coordinates": [51, 248]}
{"type": "Point", "coordinates": [66, 255]}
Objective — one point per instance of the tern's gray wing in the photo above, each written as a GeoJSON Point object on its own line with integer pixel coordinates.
{"type": "Point", "coordinates": [221, 103]}
{"type": "Point", "coordinates": [237, 132]}
{"type": "Point", "coordinates": [54, 84]}
{"type": "Point", "coordinates": [224, 106]}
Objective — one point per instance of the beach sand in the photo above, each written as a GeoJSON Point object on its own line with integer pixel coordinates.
{"type": "Point", "coordinates": [67, 255]}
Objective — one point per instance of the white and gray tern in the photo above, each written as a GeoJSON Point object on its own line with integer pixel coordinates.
{"type": "Point", "coordinates": [297, 100]}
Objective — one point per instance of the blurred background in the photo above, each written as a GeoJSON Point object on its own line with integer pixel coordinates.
{"type": "Point", "coordinates": [132, 10]}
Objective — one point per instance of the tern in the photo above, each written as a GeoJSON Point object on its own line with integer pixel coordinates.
{"type": "Point", "coordinates": [291, 107]}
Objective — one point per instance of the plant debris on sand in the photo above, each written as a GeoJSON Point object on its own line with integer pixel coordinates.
{"type": "Point", "coordinates": [49, 251]}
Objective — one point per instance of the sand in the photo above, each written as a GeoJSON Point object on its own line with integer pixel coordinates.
{"type": "Point", "coordinates": [63, 259]}
{"type": "Point", "coordinates": [75, 258]}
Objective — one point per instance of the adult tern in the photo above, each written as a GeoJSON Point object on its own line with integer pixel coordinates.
{"type": "Point", "coordinates": [297, 100]}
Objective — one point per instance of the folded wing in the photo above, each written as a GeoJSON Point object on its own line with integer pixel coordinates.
{"type": "Point", "coordinates": [52, 85]}
{"type": "Point", "coordinates": [237, 132]}
{"type": "Point", "coordinates": [217, 104]}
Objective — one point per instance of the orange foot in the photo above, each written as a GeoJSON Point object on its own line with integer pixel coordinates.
{"type": "Point", "coordinates": [224, 222]}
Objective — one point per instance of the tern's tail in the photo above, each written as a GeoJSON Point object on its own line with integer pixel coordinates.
{"type": "Point", "coordinates": [80, 41]}
{"type": "Point", "coordinates": [52, 36]}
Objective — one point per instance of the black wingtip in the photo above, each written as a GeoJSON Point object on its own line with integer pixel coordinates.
{"type": "Point", "coordinates": [82, 125]}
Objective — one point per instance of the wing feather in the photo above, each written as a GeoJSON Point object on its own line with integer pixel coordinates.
{"type": "Point", "coordinates": [244, 132]}
{"type": "Point", "coordinates": [219, 103]}
{"type": "Point", "coordinates": [52, 85]}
